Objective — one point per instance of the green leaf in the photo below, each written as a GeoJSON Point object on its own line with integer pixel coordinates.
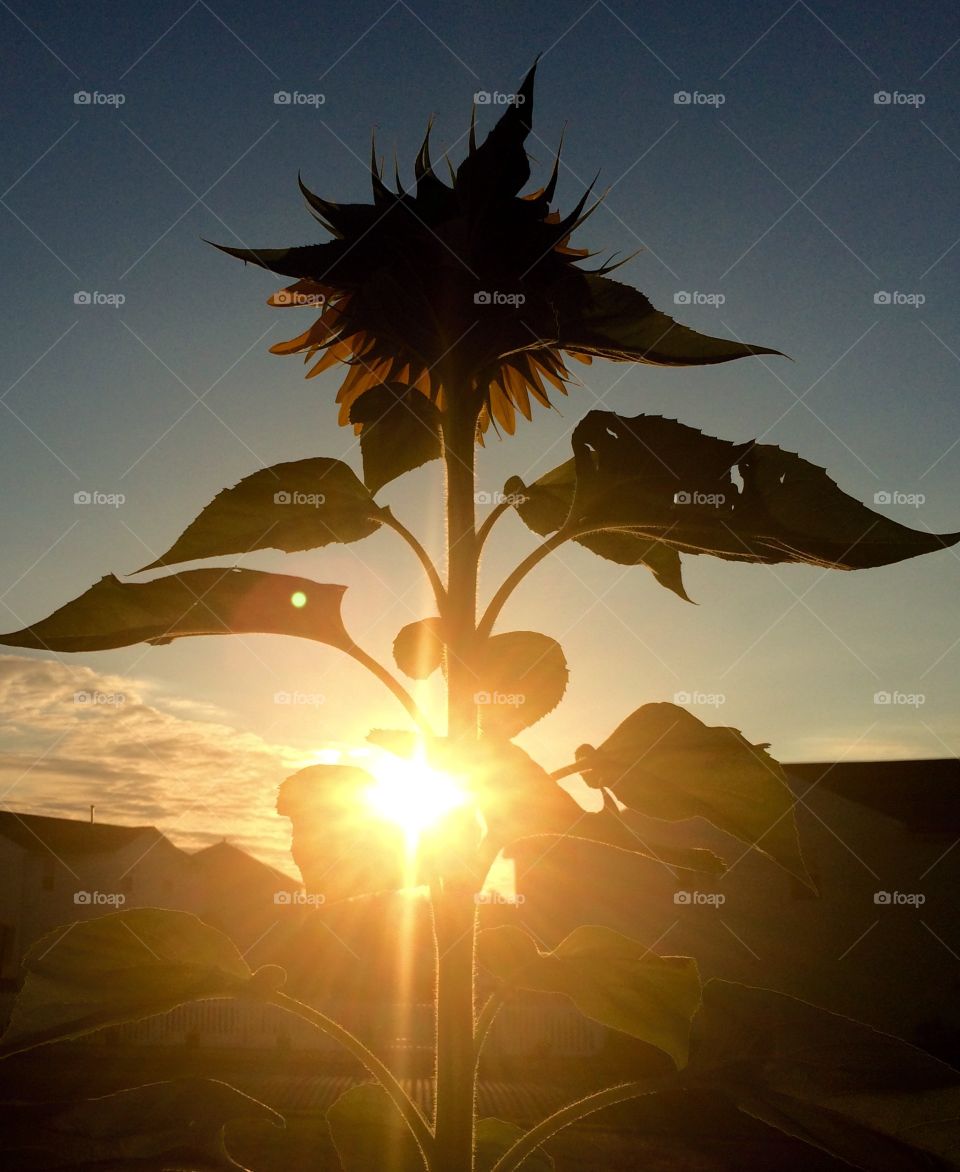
{"type": "Point", "coordinates": [521, 676]}
{"type": "Point", "coordinates": [609, 977]}
{"type": "Point", "coordinates": [495, 1137]}
{"type": "Point", "coordinates": [544, 507]}
{"type": "Point", "coordinates": [400, 431]}
{"type": "Point", "coordinates": [369, 1133]}
{"type": "Point", "coordinates": [197, 602]}
{"type": "Point", "coordinates": [163, 1125]}
{"type": "Point", "coordinates": [303, 504]}
{"type": "Point", "coordinates": [418, 648]}
{"type": "Point", "coordinates": [664, 762]}
{"type": "Point", "coordinates": [116, 968]}
{"type": "Point", "coordinates": [659, 479]}
{"type": "Point", "coordinates": [341, 846]}
{"type": "Point", "coordinates": [861, 1095]}
{"type": "Point", "coordinates": [603, 318]}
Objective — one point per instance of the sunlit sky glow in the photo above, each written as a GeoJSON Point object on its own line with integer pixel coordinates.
{"type": "Point", "coordinates": [798, 199]}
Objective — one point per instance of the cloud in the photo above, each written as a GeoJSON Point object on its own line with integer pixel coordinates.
{"type": "Point", "coordinates": [75, 737]}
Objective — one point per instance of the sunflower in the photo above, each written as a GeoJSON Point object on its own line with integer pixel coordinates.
{"type": "Point", "coordinates": [468, 288]}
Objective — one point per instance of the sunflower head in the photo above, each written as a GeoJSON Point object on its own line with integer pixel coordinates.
{"type": "Point", "coordinates": [467, 288]}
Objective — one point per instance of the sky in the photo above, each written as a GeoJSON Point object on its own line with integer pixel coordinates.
{"type": "Point", "coordinates": [803, 198]}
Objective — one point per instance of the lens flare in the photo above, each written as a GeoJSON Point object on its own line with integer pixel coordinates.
{"type": "Point", "coordinates": [412, 794]}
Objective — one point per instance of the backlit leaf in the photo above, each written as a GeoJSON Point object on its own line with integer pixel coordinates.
{"type": "Point", "coordinates": [866, 1097]}
{"type": "Point", "coordinates": [664, 762]}
{"type": "Point", "coordinates": [400, 432]}
{"type": "Point", "coordinates": [521, 676]}
{"type": "Point", "coordinates": [162, 1125]}
{"type": "Point", "coordinates": [603, 318]}
{"type": "Point", "coordinates": [341, 846]}
{"type": "Point", "coordinates": [197, 602]}
{"type": "Point", "coordinates": [303, 504]}
{"type": "Point", "coordinates": [609, 977]}
{"type": "Point", "coordinates": [120, 967]}
{"type": "Point", "coordinates": [418, 648]}
{"type": "Point", "coordinates": [659, 479]}
{"type": "Point", "coordinates": [545, 505]}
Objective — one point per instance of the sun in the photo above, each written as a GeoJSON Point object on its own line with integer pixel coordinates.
{"type": "Point", "coordinates": [409, 792]}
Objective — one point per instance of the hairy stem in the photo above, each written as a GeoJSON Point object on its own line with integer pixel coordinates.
{"type": "Point", "coordinates": [382, 1073]}
{"type": "Point", "coordinates": [488, 1015]}
{"type": "Point", "coordinates": [573, 1113]}
{"type": "Point", "coordinates": [454, 907]}
{"type": "Point", "coordinates": [433, 577]}
{"type": "Point", "coordinates": [390, 681]}
{"type": "Point", "coordinates": [513, 580]}
{"type": "Point", "coordinates": [491, 519]}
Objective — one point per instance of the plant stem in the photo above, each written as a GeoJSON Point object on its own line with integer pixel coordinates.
{"type": "Point", "coordinates": [429, 568]}
{"type": "Point", "coordinates": [488, 1015]}
{"type": "Point", "coordinates": [454, 908]}
{"type": "Point", "coordinates": [389, 681]}
{"type": "Point", "coordinates": [491, 519]}
{"type": "Point", "coordinates": [404, 1104]}
{"type": "Point", "coordinates": [573, 1113]}
{"type": "Point", "coordinates": [513, 580]}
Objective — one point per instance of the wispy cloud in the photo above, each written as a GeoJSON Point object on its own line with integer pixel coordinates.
{"type": "Point", "coordinates": [75, 737]}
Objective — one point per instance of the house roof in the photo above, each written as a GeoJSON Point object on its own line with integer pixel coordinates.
{"type": "Point", "coordinates": [923, 795]}
{"type": "Point", "coordinates": [223, 860]}
{"type": "Point", "coordinates": [41, 834]}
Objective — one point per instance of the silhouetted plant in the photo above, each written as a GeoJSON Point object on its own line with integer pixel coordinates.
{"type": "Point", "coordinates": [454, 307]}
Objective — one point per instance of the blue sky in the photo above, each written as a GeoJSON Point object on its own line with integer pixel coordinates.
{"type": "Point", "coordinates": [781, 186]}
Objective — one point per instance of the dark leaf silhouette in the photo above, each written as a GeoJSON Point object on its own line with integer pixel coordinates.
{"type": "Point", "coordinates": [198, 602]}
{"type": "Point", "coordinates": [616, 981]}
{"type": "Point", "coordinates": [399, 431]}
{"type": "Point", "coordinates": [664, 762]}
{"type": "Point", "coordinates": [867, 1098]}
{"type": "Point", "coordinates": [120, 967]}
{"type": "Point", "coordinates": [659, 479]}
{"type": "Point", "coordinates": [545, 506]}
{"type": "Point", "coordinates": [340, 846]}
{"type": "Point", "coordinates": [418, 648]}
{"type": "Point", "coordinates": [175, 1124]}
{"type": "Point", "coordinates": [521, 676]}
{"type": "Point", "coordinates": [303, 504]}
